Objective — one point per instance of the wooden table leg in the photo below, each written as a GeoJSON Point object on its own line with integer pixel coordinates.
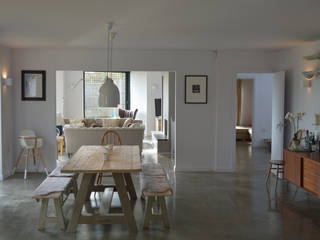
{"type": "Point", "coordinates": [125, 203]}
{"type": "Point", "coordinates": [79, 202]}
{"type": "Point", "coordinates": [130, 186]}
{"type": "Point", "coordinates": [91, 185]}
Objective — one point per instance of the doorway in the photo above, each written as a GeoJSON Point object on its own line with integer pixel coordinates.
{"type": "Point", "coordinates": [77, 96]}
{"type": "Point", "coordinates": [259, 113]}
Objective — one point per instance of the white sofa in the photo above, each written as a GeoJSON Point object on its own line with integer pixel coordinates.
{"type": "Point", "coordinates": [76, 136]}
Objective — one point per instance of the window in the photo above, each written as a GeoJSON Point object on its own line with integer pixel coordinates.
{"type": "Point", "coordinates": [92, 83]}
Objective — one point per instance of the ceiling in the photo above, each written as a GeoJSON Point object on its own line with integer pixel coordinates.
{"type": "Point", "coordinates": [160, 24]}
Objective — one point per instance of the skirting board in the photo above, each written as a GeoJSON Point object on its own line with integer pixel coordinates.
{"type": "Point", "coordinates": [203, 169]}
{"type": "Point", "coordinates": [193, 169]}
{"type": "Point", "coordinates": [225, 170]}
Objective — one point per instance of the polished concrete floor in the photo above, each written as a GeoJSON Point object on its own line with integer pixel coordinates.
{"type": "Point", "coordinates": [204, 206]}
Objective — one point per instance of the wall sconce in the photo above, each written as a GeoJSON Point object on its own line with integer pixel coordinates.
{"type": "Point", "coordinates": [7, 81]}
{"type": "Point", "coordinates": [309, 74]}
{"type": "Point", "coordinates": [308, 77]}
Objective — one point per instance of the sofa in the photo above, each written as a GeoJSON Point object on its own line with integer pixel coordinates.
{"type": "Point", "coordinates": [78, 134]}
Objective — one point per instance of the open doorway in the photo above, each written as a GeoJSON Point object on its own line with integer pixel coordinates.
{"type": "Point", "coordinates": [146, 97]}
{"type": "Point", "coordinates": [254, 113]}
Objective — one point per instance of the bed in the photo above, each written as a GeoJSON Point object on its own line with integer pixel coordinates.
{"type": "Point", "coordinates": [243, 133]}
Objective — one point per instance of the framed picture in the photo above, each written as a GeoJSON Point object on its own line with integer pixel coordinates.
{"type": "Point", "coordinates": [33, 85]}
{"type": "Point", "coordinates": [196, 91]}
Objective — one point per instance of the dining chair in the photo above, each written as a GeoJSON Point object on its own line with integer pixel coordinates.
{"type": "Point", "coordinates": [29, 142]}
{"type": "Point", "coordinates": [109, 137]}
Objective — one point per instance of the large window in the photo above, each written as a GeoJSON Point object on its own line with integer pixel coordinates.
{"type": "Point", "coordinates": [92, 83]}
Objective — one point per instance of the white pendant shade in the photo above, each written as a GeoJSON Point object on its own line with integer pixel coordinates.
{"type": "Point", "coordinates": [109, 95]}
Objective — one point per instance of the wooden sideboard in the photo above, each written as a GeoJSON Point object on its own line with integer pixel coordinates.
{"type": "Point", "coordinates": [303, 170]}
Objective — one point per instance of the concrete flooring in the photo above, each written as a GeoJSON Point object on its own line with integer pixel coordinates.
{"type": "Point", "coordinates": [204, 206]}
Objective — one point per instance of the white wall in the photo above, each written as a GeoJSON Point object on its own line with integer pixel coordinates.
{"type": "Point", "coordinates": [194, 145]}
{"type": "Point", "coordinates": [7, 114]}
{"type": "Point", "coordinates": [154, 90]}
{"type": "Point", "coordinates": [172, 109]}
{"type": "Point", "coordinates": [73, 95]}
{"type": "Point", "coordinates": [59, 92]}
{"type": "Point", "coordinates": [262, 106]}
{"type": "Point", "coordinates": [138, 94]}
{"type": "Point", "coordinates": [297, 97]}
{"type": "Point", "coordinates": [144, 88]}
{"type": "Point", "coordinates": [205, 133]}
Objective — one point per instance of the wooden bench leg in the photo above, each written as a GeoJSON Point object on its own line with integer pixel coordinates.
{"type": "Point", "coordinates": [164, 212]}
{"type": "Point", "coordinates": [59, 213]}
{"type": "Point", "coordinates": [148, 212]}
{"type": "Point", "coordinates": [43, 213]}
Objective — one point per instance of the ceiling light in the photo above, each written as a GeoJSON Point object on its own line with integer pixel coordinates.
{"type": "Point", "coordinates": [109, 95]}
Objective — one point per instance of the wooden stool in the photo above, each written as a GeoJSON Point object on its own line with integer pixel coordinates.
{"type": "Point", "coordinates": [278, 163]}
{"type": "Point", "coordinates": [30, 143]}
{"type": "Point", "coordinates": [59, 145]}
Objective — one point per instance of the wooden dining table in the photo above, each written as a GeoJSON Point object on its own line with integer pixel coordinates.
{"type": "Point", "coordinates": [89, 161]}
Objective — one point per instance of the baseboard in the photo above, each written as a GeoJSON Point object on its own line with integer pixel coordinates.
{"type": "Point", "coordinates": [193, 169]}
{"type": "Point", "coordinates": [224, 170]}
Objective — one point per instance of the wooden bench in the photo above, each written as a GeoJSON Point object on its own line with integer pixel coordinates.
{"type": "Point", "coordinates": [74, 186]}
{"type": "Point", "coordinates": [155, 187]}
{"type": "Point", "coordinates": [52, 188]}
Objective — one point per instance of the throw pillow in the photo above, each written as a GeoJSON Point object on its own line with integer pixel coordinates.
{"type": "Point", "coordinates": [127, 122]}
{"type": "Point", "coordinates": [85, 122]}
{"type": "Point", "coordinates": [134, 125]}
{"type": "Point", "coordinates": [110, 122]}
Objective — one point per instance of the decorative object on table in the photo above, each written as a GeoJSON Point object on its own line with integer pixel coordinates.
{"type": "Point", "coordinates": [30, 142]}
{"type": "Point", "coordinates": [295, 142]}
{"type": "Point", "coordinates": [196, 91]}
{"type": "Point", "coordinates": [33, 85]}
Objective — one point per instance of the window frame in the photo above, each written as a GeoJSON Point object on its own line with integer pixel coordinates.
{"type": "Point", "coordinates": [127, 84]}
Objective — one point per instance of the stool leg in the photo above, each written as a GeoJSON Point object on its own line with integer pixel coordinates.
{"type": "Point", "coordinates": [34, 156]}
{"type": "Point", "coordinates": [268, 174]}
{"type": "Point", "coordinates": [61, 149]}
{"type": "Point", "coordinates": [18, 160]}
{"type": "Point", "coordinates": [26, 165]}
{"type": "Point", "coordinates": [57, 150]}
{"type": "Point", "coordinates": [277, 177]}
{"type": "Point", "coordinates": [43, 163]}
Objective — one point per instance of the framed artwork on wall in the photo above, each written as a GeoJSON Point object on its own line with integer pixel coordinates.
{"type": "Point", "coordinates": [196, 91]}
{"type": "Point", "coordinates": [33, 85]}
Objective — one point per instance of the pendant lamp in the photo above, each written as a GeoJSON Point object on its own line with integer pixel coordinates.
{"type": "Point", "coordinates": [109, 95]}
